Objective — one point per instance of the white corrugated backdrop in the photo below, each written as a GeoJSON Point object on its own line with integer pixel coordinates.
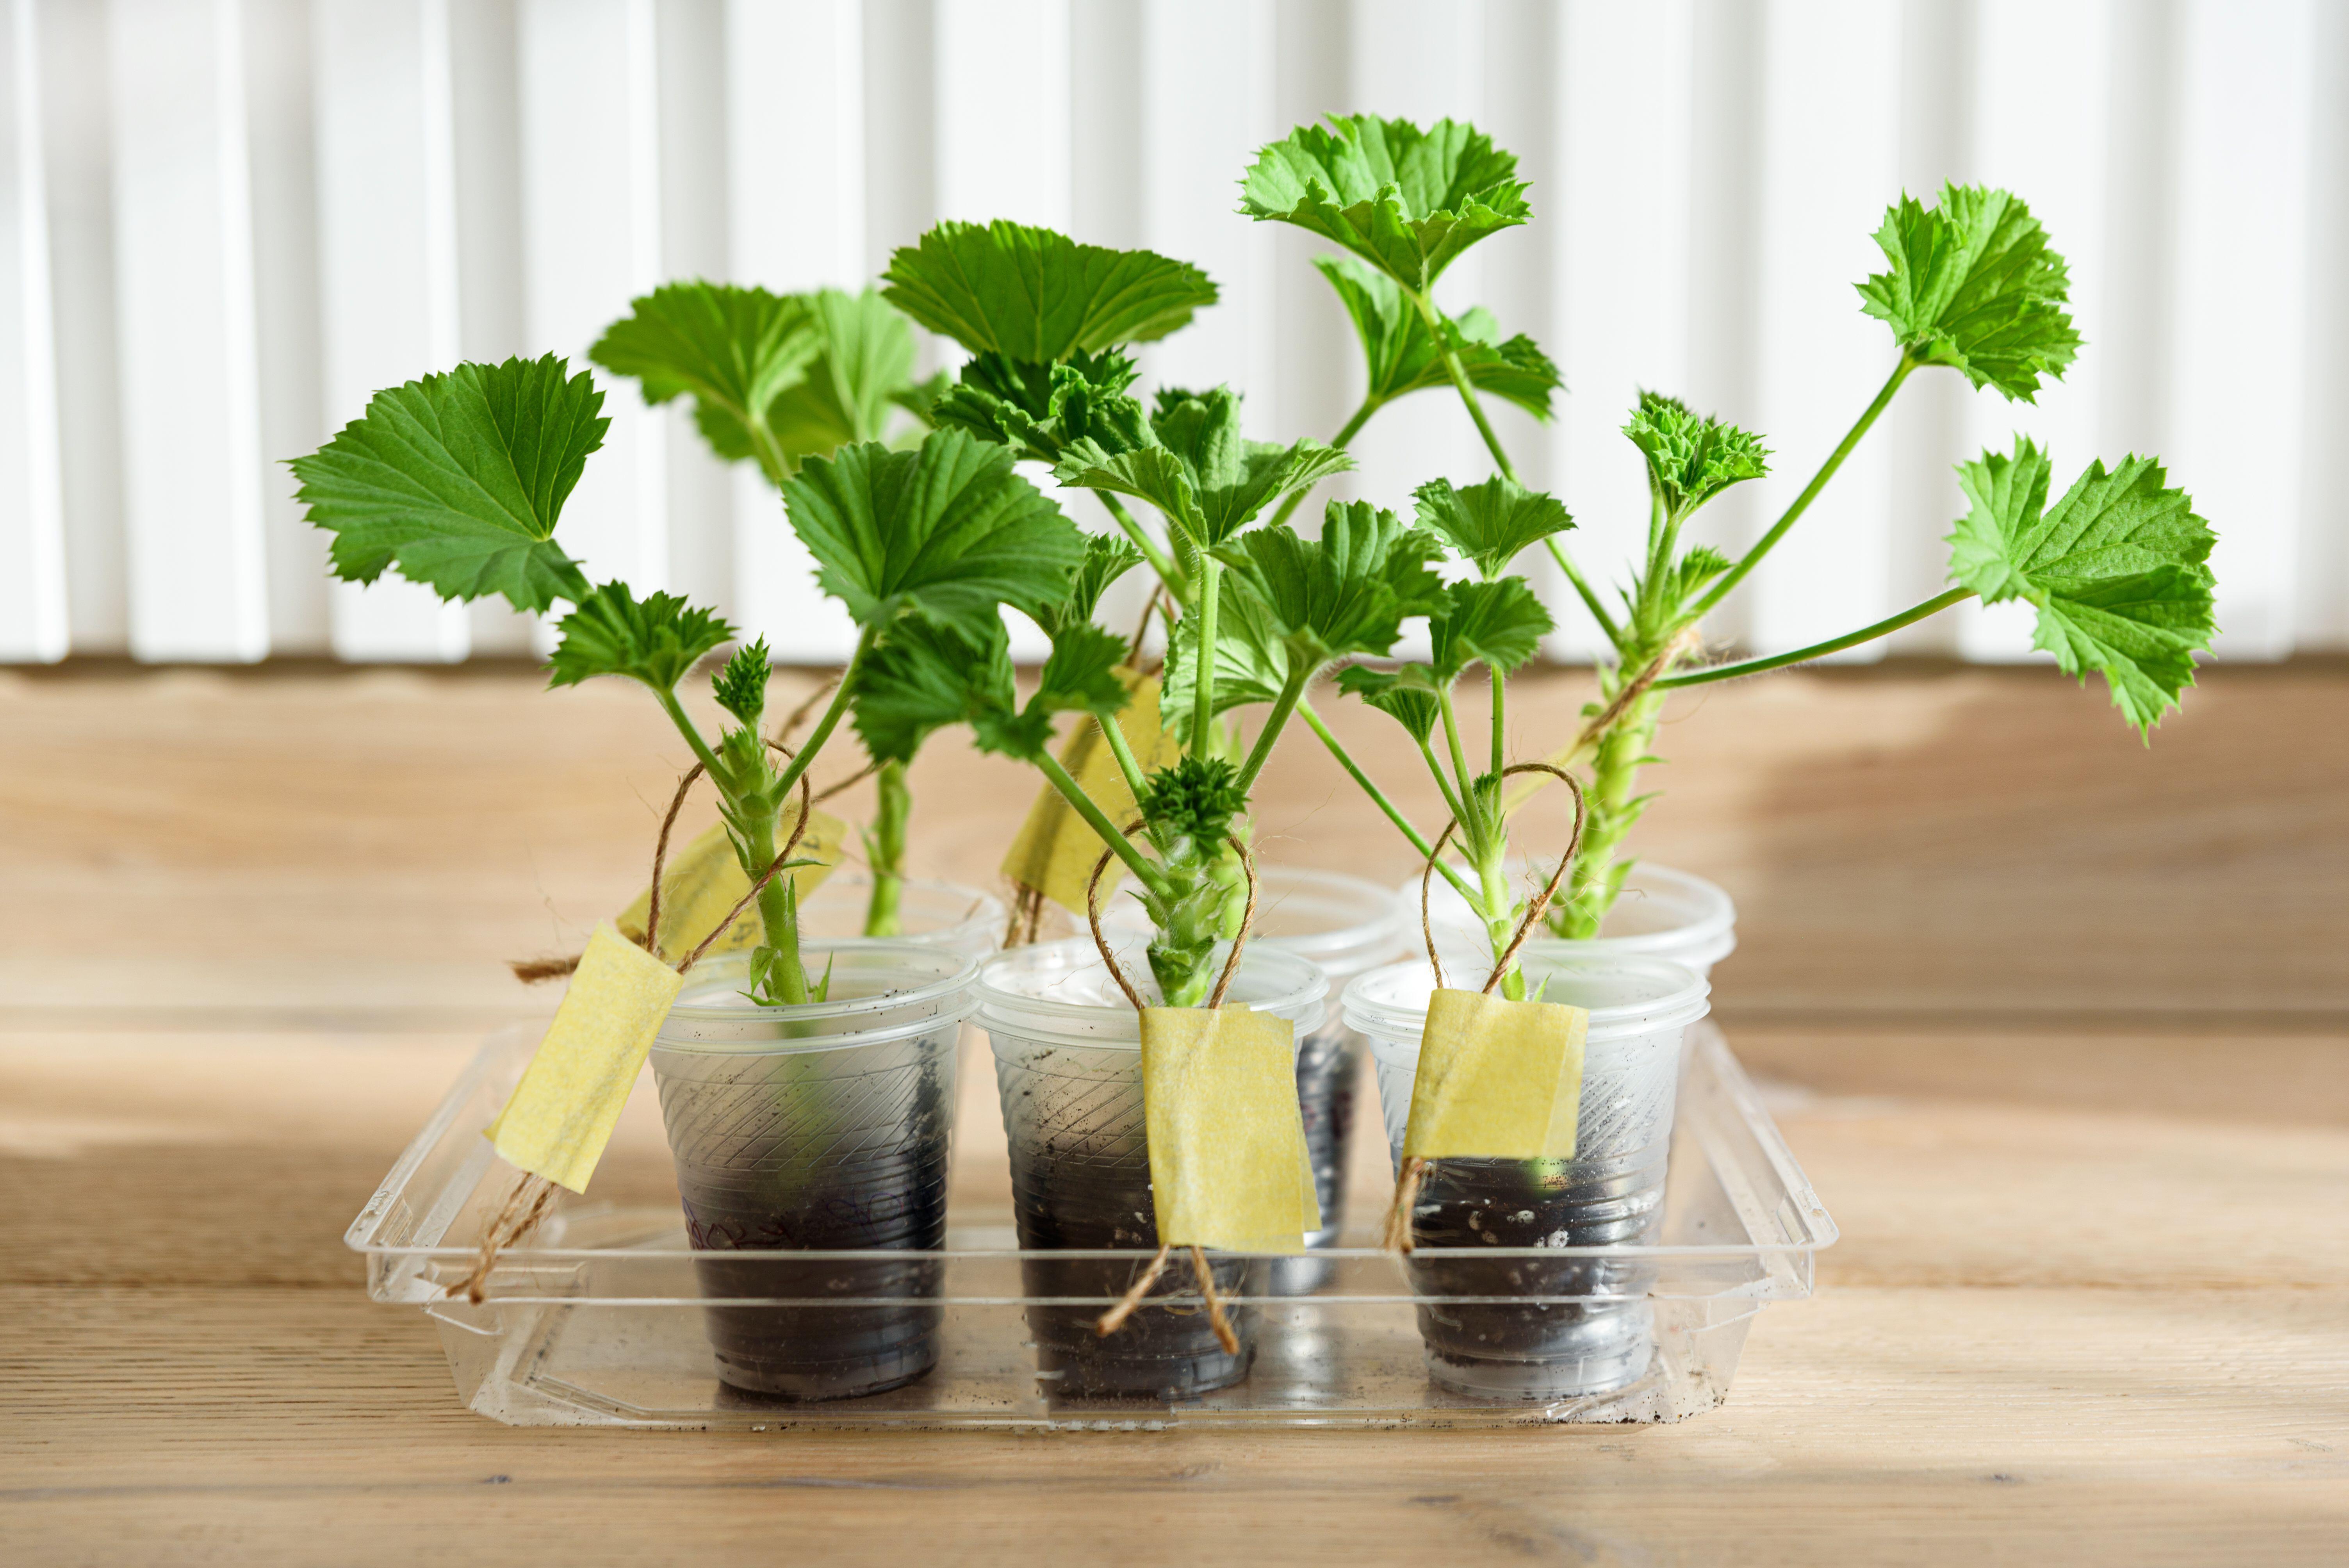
{"type": "Point", "coordinates": [223, 221]}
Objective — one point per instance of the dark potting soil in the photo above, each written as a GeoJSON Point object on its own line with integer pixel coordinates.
{"type": "Point", "coordinates": [1084, 1197]}
{"type": "Point", "coordinates": [896, 1202]}
{"type": "Point", "coordinates": [1537, 1203]}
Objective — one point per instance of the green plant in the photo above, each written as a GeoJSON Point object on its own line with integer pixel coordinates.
{"type": "Point", "coordinates": [458, 481]}
{"type": "Point", "coordinates": [2117, 568]}
{"type": "Point", "coordinates": [777, 379]}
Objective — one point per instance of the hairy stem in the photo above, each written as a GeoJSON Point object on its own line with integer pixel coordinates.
{"type": "Point", "coordinates": [1462, 385]}
{"type": "Point", "coordinates": [1762, 547]}
{"type": "Point", "coordinates": [1152, 877]}
{"type": "Point", "coordinates": [1203, 679]}
{"type": "Point", "coordinates": [885, 846]}
{"type": "Point", "coordinates": [1614, 805]}
{"type": "Point", "coordinates": [1591, 600]}
{"type": "Point", "coordinates": [1160, 562]}
{"type": "Point", "coordinates": [1417, 839]}
{"type": "Point", "coordinates": [1291, 692]}
{"type": "Point", "coordinates": [1885, 627]}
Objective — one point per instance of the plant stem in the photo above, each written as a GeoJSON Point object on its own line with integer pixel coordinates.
{"type": "Point", "coordinates": [1353, 427]}
{"type": "Point", "coordinates": [1460, 384]}
{"type": "Point", "coordinates": [886, 850]}
{"type": "Point", "coordinates": [1135, 860]}
{"type": "Point", "coordinates": [1418, 841]}
{"type": "Point", "coordinates": [1589, 598]}
{"type": "Point", "coordinates": [1470, 819]}
{"type": "Point", "coordinates": [1787, 520]}
{"type": "Point", "coordinates": [719, 776]}
{"type": "Point", "coordinates": [1500, 750]}
{"type": "Point", "coordinates": [1160, 562]}
{"type": "Point", "coordinates": [1203, 679]}
{"type": "Point", "coordinates": [1890, 624]}
{"type": "Point", "coordinates": [833, 713]}
{"type": "Point", "coordinates": [1127, 763]}
{"type": "Point", "coordinates": [1442, 785]}
{"type": "Point", "coordinates": [1292, 691]}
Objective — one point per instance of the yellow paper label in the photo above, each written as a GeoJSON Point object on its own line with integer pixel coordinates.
{"type": "Point", "coordinates": [1497, 1079]}
{"type": "Point", "coordinates": [1227, 1162]}
{"type": "Point", "coordinates": [701, 881]}
{"type": "Point", "coordinates": [1056, 847]}
{"type": "Point", "coordinates": [562, 1111]}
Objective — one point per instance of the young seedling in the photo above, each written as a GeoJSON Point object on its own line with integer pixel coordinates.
{"type": "Point", "coordinates": [777, 379]}
{"type": "Point", "coordinates": [1260, 614]}
{"type": "Point", "coordinates": [458, 482]}
{"type": "Point", "coordinates": [2117, 568]}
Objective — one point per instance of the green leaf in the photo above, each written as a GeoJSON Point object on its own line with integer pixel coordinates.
{"type": "Point", "coordinates": [1034, 295]}
{"type": "Point", "coordinates": [1689, 575]}
{"type": "Point", "coordinates": [1108, 557]}
{"type": "Point", "coordinates": [1973, 286]}
{"type": "Point", "coordinates": [458, 480]}
{"type": "Point", "coordinates": [655, 641]}
{"type": "Point", "coordinates": [2116, 570]}
{"type": "Point", "coordinates": [1347, 592]}
{"type": "Point", "coordinates": [865, 370]}
{"type": "Point", "coordinates": [741, 687]}
{"type": "Point", "coordinates": [946, 530]}
{"type": "Point", "coordinates": [923, 677]}
{"type": "Point", "coordinates": [1197, 470]}
{"type": "Point", "coordinates": [1691, 457]}
{"type": "Point", "coordinates": [1251, 663]}
{"type": "Point", "coordinates": [1409, 695]}
{"type": "Point", "coordinates": [1407, 200]}
{"type": "Point", "coordinates": [1040, 410]}
{"type": "Point", "coordinates": [1401, 354]}
{"type": "Point", "coordinates": [733, 350]}
{"type": "Point", "coordinates": [1498, 623]}
{"type": "Point", "coordinates": [1489, 524]}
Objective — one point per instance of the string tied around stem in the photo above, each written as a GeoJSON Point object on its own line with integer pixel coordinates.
{"type": "Point", "coordinates": [1414, 1170]}
{"type": "Point", "coordinates": [533, 1196]}
{"type": "Point", "coordinates": [1111, 1321]}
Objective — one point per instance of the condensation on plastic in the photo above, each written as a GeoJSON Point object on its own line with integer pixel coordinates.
{"type": "Point", "coordinates": [1073, 1114]}
{"type": "Point", "coordinates": [932, 914]}
{"type": "Point", "coordinates": [598, 1318]}
{"type": "Point", "coordinates": [1610, 1194]}
{"type": "Point", "coordinates": [1345, 925]}
{"type": "Point", "coordinates": [1660, 913]}
{"type": "Point", "coordinates": [818, 1128]}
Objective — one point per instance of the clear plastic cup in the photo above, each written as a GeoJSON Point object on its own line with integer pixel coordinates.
{"type": "Point", "coordinates": [818, 1128]}
{"type": "Point", "coordinates": [1660, 913]}
{"type": "Point", "coordinates": [1345, 925]}
{"type": "Point", "coordinates": [1068, 1063]}
{"type": "Point", "coordinates": [1611, 1194]}
{"type": "Point", "coordinates": [931, 913]}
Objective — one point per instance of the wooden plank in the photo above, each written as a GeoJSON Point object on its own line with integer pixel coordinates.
{"type": "Point", "coordinates": [32, 620]}
{"type": "Point", "coordinates": [184, 289]}
{"type": "Point", "coordinates": [1921, 1425]}
{"type": "Point", "coordinates": [387, 263]}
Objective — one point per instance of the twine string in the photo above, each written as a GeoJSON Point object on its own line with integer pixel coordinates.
{"type": "Point", "coordinates": [534, 1196]}
{"type": "Point", "coordinates": [1127, 1304]}
{"type": "Point", "coordinates": [1400, 1213]}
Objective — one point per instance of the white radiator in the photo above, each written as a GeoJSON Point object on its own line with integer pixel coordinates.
{"type": "Point", "coordinates": [223, 221]}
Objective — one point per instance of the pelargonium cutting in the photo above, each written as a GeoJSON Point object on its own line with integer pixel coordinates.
{"type": "Point", "coordinates": [909, 497]}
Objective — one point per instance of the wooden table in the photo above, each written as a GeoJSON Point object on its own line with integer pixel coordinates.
{"type": "Point", "coordinates": [2055, 1024]}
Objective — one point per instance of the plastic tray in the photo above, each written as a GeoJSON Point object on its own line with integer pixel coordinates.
{"type": "Point", "coordinates": [598, 1322]}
